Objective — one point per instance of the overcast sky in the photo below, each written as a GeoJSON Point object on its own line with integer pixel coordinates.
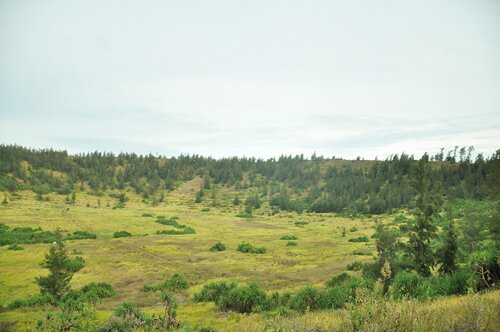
{"type": "Point", "coordinates": [253, 78]}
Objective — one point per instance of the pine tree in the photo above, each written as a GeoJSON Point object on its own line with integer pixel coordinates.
{"type": "Point", "coordinates": [449, 250]}
{"type": "Point", "coordinates": [61, 269]}
{"type": "Point", "coordinates": [423, 230]}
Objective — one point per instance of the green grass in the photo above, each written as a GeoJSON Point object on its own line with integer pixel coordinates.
{"type": "Point", "coordinates": [130, 263]}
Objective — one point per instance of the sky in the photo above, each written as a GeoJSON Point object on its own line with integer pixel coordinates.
{"type": "Point", "coordinates": [251, 78]}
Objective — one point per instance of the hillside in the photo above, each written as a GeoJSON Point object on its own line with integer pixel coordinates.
{"type": "Point", "coordinates": [291, 226]}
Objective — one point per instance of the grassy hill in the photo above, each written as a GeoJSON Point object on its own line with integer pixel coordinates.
{"type": "Point", "coordinates": [137, 241]}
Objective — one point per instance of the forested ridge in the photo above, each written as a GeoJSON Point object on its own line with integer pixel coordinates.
{"type": "Point", "coordinates": [291, 183]}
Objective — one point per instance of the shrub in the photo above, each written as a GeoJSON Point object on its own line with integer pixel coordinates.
{"type": "Point", "coordinates": [147, 214]}
{"type": "Point", "coordinates": [353, 229]}
{"type": "Point", "coordinates": [340, 279]}
{"type": "Point", "coordinates": [32, 301]}
{"type": "Point", "coordinates": [288, 237]}
{"type": "Point", "coordinates": [81, 235]}
{"type": "Point", "coordinates": [15, 247]}
{"type": "Point", "coordinates": [355, 266]}
{"type": "Point", "coordinates": [169, 222]}
{"type": "Point", "coordinates": [301, 223]}
{"type": "Point", "coordinates": [335, 297]}
{"type": "Point", "coordinates": [306, 298]}
{"type": "Point", "coordinates": [219, 246]}
{"type": "Point", "coordinates": [359, 239]}
{"type": "Point", "coordinates": [362, 253]}
{"type": "Point", "coordinates": [291, 244]}
{"type": "Point", "coordinates": [410, 285]}
{"type": "Point", "coordinates": [176, 282]}
{"type": "Point", "coordinates": [26, 235]}
{"type": "Point", "coordinates": [186, 230]}
{"type": "Point", "coordinates": [119, 206]}
{"type": "Point", "coordinates": [244, 215]}
{"type": "Point", "coordinates": [243, 299]}
{"type": "Point", "coordinates": [214, 291]}
{"type": "Point", "coordinates": [121, 234]}
{"type": "Point", "coordinates": [485, 269]}
{"type": "Point", "coordinates": [205, 210]}
{"type": "Point", "coordinates": [248, 248]}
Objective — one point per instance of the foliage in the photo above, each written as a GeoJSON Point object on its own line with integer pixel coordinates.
{"type": "Point", "coordinates": [291, 244]}
{"type": "Point", "coordinates": [61, 269]}
{"type": "Point", "coordinates": [245, 215]}
{"type": "Point", "coordinates": [26, 235]}
{"type": "Point", "coordinates": [214, 291]}
{"type": "Point", "coordinates": [248, 248]}
{"type": "Point", "coordinates": [218, 246]}
{"type": "Point", "coordinates": [359, 239]}
{"type": "Point", "coordinates": [15, 247]}
{"type": "Point", "coordinates": [81, 235]}
{"type": "Point", "coordinates": [288, 237]}
{"type": "Point", "coordinates": [121, 234]}
{"type": "Point", "coordinates": [176, 282]}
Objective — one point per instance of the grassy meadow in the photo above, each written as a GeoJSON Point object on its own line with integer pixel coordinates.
{"type": "Point", "coordinates": [146, 258]}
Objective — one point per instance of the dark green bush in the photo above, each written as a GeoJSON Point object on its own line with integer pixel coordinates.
{"type": "Point", "coordinates": [81, 235]}
{"type": "Point", "coordinates": [214, 291]}
{"type": "Point", "coordinates": [219, 246]}
{"type": "Point", "coordinates": [301, 223]}
{"type": "Point", "coordinates": [186, 230]}
{"type": "Point", "coordinates": [288, 237]}
{"type": "Point", "coordinates": [355, 266]}
{"type": "Point", "coordinates": [15, 247]}
{"type": "Point", "coordinates": [26, 235]}
{"type": "Point", "coordinates": [169, 222]}
{"type": "Point", "coordinates": [244, 215]}
{"type": "Point", "coordinates": [291, 244]}
{"type": "Point", "coordinates": [32, 301]}
{"type": "Point", "coordinates": [147, 214]}
{"type": "Point", "coordinates": [243, 299]}
{"type": "Point", "coordinates": [362, 253]}
{"type": "Point", "coordinates": [359, 239]}
{"type": "Point", "coordinates": [353, 229]}
{"type": "Point", "coordinates": [176, 282]}
{"type": "Point", "coordinates": [410, 285]}
{"type": "Point", "coordinates": [121, 234]}
{"type": "Point", "coordinates": [307, 298]}
{"type": "Point", "coordinates": [248, 248]}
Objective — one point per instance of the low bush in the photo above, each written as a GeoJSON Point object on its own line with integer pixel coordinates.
{"type": "Point", "coordinates": [169, 222]}
{"type": "Point", "coordinates": [291, 244]}
{"type": "Point", "coordinates": [243, 299]}
{"type": "Point", "coordinates": [288, 237]}
{"type": "Point", "coordinates": [81, 235]}
{"type": "Point", "coordinates": [244, 215]}
{"type": "Point", "coordinates": [32, 301]}
{"type": "Point", "coordinates": [248, 248]}
{"type": "Point", "coordinates": [186, 230]}
{"type": "Point", "coordinates": [301, 223]}
{"type": "Point", "coordinates": [355, 266]}
{"type": "Point", "coordinates": [176, 282]}
{"type": "Point", "coordinates": [214, 291]}
{"type": "Point", "coordinates": [307, 298]}
{"type": "Point", "coordinates": [14, 247]}
{"type": "Point", "coordinates": [353, 229]}
{"type": "Point", "coordinates": [147, 214]}
{"type": "Point", "coordinates": [362, 253]}
{"type": "Point", "coordinates": [26, 235]}
{"type": "Point", "coordinates": [219, 246]}
{"type": "Point", "coordinates": [121, 234]}
{"type": "Point", "coordinates": [359, 239]}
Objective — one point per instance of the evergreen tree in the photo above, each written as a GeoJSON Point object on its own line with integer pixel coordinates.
{"type": "Point", "coordinates": [449, 250]}
{"type": "Point", "coordinates": [423, 230]}
{"type": "Point", "coordinates": [61, 269]}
